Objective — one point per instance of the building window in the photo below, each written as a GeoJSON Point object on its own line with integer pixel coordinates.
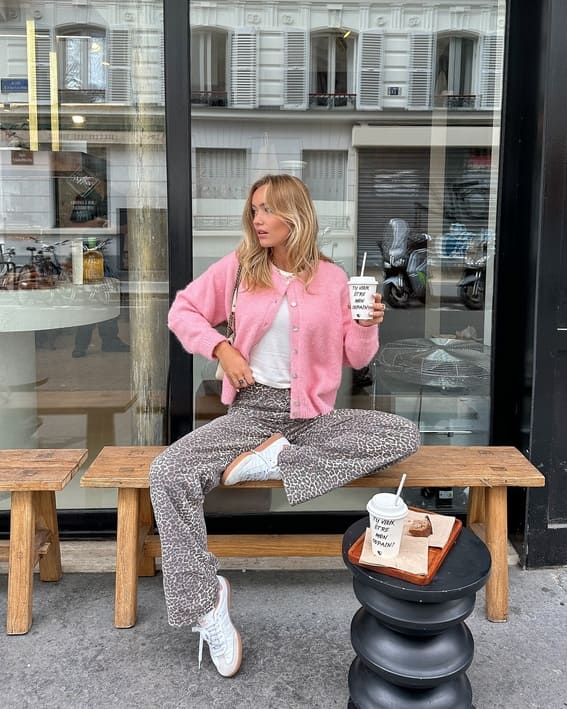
{"type": "Point", "coordinates": [454, 72]}
{"type": "Point", "coordinates": [332, 70]}
{"type": "Point", "coordinates": [325, 173]}
{"type": "Point", "coordinates": [82, 64]}
{"type": "Point", "coordinates": [94, 64]}
{"type": "Point", "coordinates": [208, 68]}
{"type": "Point", "coordinates": [220, 174]}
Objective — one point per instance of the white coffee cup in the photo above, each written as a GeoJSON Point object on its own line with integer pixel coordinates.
{"type": "Point", "coordinates": [386, 524]}
{"type": "Point", "coordinates": [362, 291]}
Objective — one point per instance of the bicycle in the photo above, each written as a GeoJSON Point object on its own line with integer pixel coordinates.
{"type": "Point", "coordinates": [43, 270]}
{"type": "Point", "coordinates": [8, 273]}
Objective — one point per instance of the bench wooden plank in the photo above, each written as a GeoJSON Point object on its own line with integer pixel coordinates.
{"type": "Point", "coordinates": [39, 469]}
{"type": "Point", "coordinates": [431, 466]}
{"type": "Point", "coordinates": [268, 545]}
{"type": "Point", "coordinates": [41, 545]}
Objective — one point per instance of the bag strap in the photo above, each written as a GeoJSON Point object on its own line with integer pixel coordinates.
{"type": "Point", "coordinates": [230, 331]}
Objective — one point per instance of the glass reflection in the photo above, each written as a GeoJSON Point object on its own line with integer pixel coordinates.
{"type": "Point", "coordinates": [405, 178]}
{"type": "Point", "coordinates": [83, 238]}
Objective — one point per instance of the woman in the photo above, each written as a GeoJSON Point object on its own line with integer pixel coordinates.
{"type": "Point", "coordinates": [294, 333]}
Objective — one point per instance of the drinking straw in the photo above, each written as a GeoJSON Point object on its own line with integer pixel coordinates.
{"type": "Point", "coordinates": [363, 265]}
{"type": "Point", "coordinates": [400, 486]}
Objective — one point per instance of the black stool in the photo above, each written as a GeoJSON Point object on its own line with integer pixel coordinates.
{"type": "Point", "coordinates": [412, 645]}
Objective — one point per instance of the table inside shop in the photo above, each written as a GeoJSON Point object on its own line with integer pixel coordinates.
{"type": "Point", "coordinates": [25, 312]}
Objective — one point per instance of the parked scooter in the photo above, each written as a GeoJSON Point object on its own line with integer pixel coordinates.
{"type": "Point", "coordinates": [472, 285]}
{"type": "Point", "coordinates": [405, 266]}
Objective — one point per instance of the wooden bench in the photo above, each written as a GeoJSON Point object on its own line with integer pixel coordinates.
{"type": "Point", "coordinates": [488, 471]}
{"type": "Point", "coordinates": [32, 476]}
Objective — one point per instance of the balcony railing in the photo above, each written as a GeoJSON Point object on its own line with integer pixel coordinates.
{"type": "Point", "coordinates": [330, 101]}
{"type": "Point", "coordinates": [207, 222]}
{"type": "Point", "coordinates": [82, 95]}
{"type": "Point", "coordinates": [208, 98]}
{"type": "Point", "coordinates": [457, 102]}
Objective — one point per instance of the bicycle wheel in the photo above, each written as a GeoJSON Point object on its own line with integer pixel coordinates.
{"type": "Point", "coordinates": [27, 278]}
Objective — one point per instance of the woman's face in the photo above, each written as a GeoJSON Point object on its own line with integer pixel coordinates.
{"type": "Point", "coordinates": [271, 230]}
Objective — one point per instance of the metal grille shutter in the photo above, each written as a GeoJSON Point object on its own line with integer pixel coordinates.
{"type": "Point", "coordinates": [490, 67]}
{"type": "Point", "coordinates": [370, 57]}
{"type": "Point", "coordinates": [162, 70]}
{"type": "Point", "coordinates": [296, 54]}
{"type": "Point", "coordinates": [243, 69]}
{"type": "Point", "coordinates": [325, 174]}
{"type": "Point", "coordinates": [420, 69]}
{"type": "Point", "coordinates": [42, 49]}
{"type": "Point", "coordinates": [118, 88]}
{"type": "Point", "coordinates": [395, 182]}
{"type": "Point", "coordinates": [392, 182]}
{"type": "Point", "coordinates": [221, 172]}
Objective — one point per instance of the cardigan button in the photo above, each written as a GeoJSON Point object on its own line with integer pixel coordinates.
{"type": "Point", "coordinates": [294, 376]}
{"type": "Point", "coordinates": [295, 328]}
{"type": "Point", "coordinates": [293, 304]}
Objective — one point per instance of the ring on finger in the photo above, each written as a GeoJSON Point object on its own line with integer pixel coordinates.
{"type": "Point", "coordinates": [241, 382]}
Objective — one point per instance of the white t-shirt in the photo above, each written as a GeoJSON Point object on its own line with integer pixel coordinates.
{"type": "Point", "coordinates": [270, 358]}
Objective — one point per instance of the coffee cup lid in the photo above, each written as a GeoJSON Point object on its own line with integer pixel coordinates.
{"type": "Point", "coordinates": [384, 503]}
{"type": "Point", "coordinates": [362, 279]}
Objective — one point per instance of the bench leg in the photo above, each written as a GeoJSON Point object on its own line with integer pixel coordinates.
{"type": "Point", "coordinates": [475, 508]}
{"type": "Point", "coordinates": [497, 542]}
{"type": "Point", "coordinates": [126, 591]}
{"type": "Point", "coordinates": [100, 430]}
{"type": "Point", "coordinates": [21, 563]}
{"type": "Point", "coordinates": [147, 564]}
{"type": "Point", "coordinates": [46, 513]}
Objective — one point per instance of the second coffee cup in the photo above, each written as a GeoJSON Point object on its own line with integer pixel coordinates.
{"type": "Point", "coordinates": [387, 514]}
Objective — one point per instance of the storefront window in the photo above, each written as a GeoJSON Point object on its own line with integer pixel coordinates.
{"type": "Point", "coordinates": [402, 166]}
{"type": "Point", "coordinates": [83, 240]}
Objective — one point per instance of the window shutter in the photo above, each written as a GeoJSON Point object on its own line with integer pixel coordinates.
{"type": "Point", "coordinates": [244, 69]}
{"type": "Point", "coordinates": [325, 174]}
{"type": "Point", "coordinates": [370, 59]}
{"type": "Point", "coordinates": [419, 79]}
{"type": "Point", "coordinates": [490, 66]}
{"type": "Point", "coordinates": [162, 69]}
{"type": "Point", "coordinates": [296, 57]}
{"type": "Point", "coordinates": [118, 88]}
{"type": "Point", "coordinates": [42, 49]}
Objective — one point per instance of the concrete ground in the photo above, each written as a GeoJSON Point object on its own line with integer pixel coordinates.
{"type": "Point", "coordinates": [295, 630]}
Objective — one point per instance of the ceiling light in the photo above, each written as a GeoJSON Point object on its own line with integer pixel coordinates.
{"type": "Point", "coordinates": [78, 120]}
{"type": "Point", "coordinates": [347, 33]}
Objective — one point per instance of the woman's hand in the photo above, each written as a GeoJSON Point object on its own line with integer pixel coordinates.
{"type": "Point", "coordinates": [235, 366]}
{"type": "Point", "coordinates": [379, 308]}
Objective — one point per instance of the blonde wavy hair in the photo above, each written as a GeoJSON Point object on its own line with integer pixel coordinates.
{"type": "Point", "coordinates": [288, 198]}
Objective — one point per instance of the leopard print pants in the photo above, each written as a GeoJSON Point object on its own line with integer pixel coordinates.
{"type": "Point", "coordinates": [326, 452]}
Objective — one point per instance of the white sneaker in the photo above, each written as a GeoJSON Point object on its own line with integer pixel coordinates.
{"type": "Point", "coordinates": [223, 638]}
{"type": "Point", "coordinates": [259, 464]}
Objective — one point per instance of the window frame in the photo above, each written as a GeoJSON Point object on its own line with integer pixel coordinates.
{"type": "Point", "coordinates": [331, 36]}
{"type": "Point", "coordinates": [454, 98]}
{"type": "Point", "coordinates": [204, 37]}
{"type": "Point", "coordinates": [81, 31]}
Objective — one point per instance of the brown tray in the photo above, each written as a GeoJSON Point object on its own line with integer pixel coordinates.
{"type": "Point", "coordinates": [435, 559]}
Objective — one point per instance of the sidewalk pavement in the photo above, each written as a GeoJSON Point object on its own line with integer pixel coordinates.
{"type": "Point", "coordinates": [295, 631]}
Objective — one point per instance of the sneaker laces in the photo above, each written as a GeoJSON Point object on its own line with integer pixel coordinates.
{"type": "Point", "coordinates": [271, 466]}
{"type": "Point", "coordinates": [214, 637]}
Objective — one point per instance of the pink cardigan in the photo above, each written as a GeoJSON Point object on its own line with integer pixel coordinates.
{"type": "Point", "coordinates": [323, 335]}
